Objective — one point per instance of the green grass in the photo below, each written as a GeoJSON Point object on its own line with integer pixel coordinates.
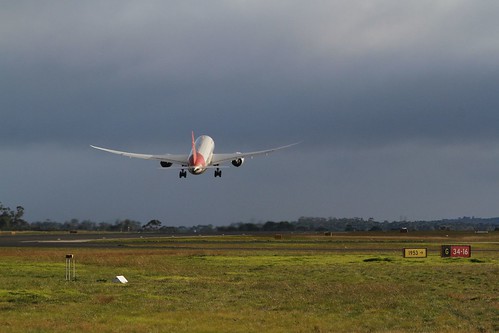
{"type": "Point", "coordinates": [217, 285]}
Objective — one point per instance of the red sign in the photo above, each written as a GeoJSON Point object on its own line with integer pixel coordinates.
{"type": "Point", "coordinates": [456, 251]}
{"type": "Point", "coordinates": [460, 251]}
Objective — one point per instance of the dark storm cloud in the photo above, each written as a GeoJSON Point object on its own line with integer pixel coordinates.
{"type": "Point", "coordinates": [346, 77]}
{"type": "Point", "coordinates": [334, 68]}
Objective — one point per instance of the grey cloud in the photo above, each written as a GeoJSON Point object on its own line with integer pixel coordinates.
{"type": "Point", "coordinates": [360, 77]}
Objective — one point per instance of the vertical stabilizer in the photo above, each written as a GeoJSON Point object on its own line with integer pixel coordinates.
{"type": "Point", "coordinates": [194, 153]}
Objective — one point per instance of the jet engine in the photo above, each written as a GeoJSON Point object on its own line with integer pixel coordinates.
{"type": "Point", "coordinates": [238, 162]}
{"type": "Point", "coordinates": [165, 164]}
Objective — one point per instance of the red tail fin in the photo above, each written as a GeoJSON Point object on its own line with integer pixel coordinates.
{"type": "Point", "coordinates": [194, 153]}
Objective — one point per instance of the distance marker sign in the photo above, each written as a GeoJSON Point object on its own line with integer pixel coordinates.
{"type": "Point", "coordinates": [456, 251]}
{"type": "Point", "coordinates": [415, 253]}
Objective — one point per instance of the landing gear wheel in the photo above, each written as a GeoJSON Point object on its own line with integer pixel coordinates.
{"type": "Point", "coordinates": [218, 173]}
{"type": "Point", "coordinates": [182, 174]}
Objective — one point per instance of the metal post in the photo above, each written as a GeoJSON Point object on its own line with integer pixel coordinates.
{"type": "Point", "coordinates": [70, 262]}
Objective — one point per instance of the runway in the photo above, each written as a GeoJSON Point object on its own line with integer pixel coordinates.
{"type": "Point", "coordinates": [67, 239]}
{"type": "Point", "coordinates": [189, 242]}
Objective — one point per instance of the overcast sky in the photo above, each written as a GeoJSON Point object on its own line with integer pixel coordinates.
{"type": "Point", "coordinates": [397, 103]}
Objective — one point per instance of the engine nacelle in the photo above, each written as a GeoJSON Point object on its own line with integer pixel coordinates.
{"type": "Point", "coordinates": [238, 162]}
{"type": "Point", "coordinates": [165, 164]}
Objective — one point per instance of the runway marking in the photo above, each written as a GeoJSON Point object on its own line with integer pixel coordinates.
{"type": "Point", "coordinates": [60, 241]}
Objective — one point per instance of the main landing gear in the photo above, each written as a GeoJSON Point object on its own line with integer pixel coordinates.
{"type": "Point", "coordinates": [183, 173]}
{"type": "Point", "coordinates": [218, 173]}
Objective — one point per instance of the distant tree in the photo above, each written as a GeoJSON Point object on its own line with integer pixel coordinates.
{"type": "Point", "coordinates": [170, 230]}
{"type": "Point", "coordinates": [73, 224]}
{"type": "Point", "coordinates": [87, 225]}
{"type": "Point", "coordinates": [269, 226]}
{"type": "Point", "coordinates": [46, 225]}
{"type": "Point", "coordinates": [349, 228]}
{"type": "Point", "coordinates": [125, 225]}
{"type": "Point", "coordinates": [285, 226]}
{"type": "Point", "coordinates": [230, 228]}
{"type": "Point", "coordinates": [103, 226]}
{"type": "Point", "coordinates": [5, 217]}
{"type": "Point", "coordinates": [248, 227]}
{"type": "Point", "coordinates": [18, 215]}
{"type": "Point", "coordinates": [203, 229]}
{"type": "Point", "coordinates": [12, 220]}
{"type": "Point", "coordinates": [153, 225]}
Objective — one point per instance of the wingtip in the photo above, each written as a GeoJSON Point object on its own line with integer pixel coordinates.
{"type": "Point", "coordinates": [293, 144]}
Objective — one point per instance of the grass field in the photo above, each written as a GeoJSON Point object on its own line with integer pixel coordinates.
{"type": "Point", "coordinates": [344, 283]}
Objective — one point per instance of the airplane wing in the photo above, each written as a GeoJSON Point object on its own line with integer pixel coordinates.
{"type": "Point", "coordinates": [175, 159]}
{"type": "Point", "coordinates": [220, 158]}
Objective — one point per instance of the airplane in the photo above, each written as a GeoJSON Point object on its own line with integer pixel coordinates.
{"type": "Point", "coordinates": [200, 158]}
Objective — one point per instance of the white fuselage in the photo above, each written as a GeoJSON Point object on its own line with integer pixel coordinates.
{"type": "Point", "coordinates": [201, 155]}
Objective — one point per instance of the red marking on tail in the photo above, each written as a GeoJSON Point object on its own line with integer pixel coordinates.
{"type": "Point", "coordinates": [194, 153]}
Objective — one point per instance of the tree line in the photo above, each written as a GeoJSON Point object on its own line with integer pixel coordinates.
{"type": "Point", "coordinates": [13, 220]}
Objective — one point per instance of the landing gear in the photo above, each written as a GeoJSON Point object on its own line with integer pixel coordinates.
{"type": "Point", "coordinates": [182, 174]}
{"type": "Point", "coordinates": [218, 173]}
